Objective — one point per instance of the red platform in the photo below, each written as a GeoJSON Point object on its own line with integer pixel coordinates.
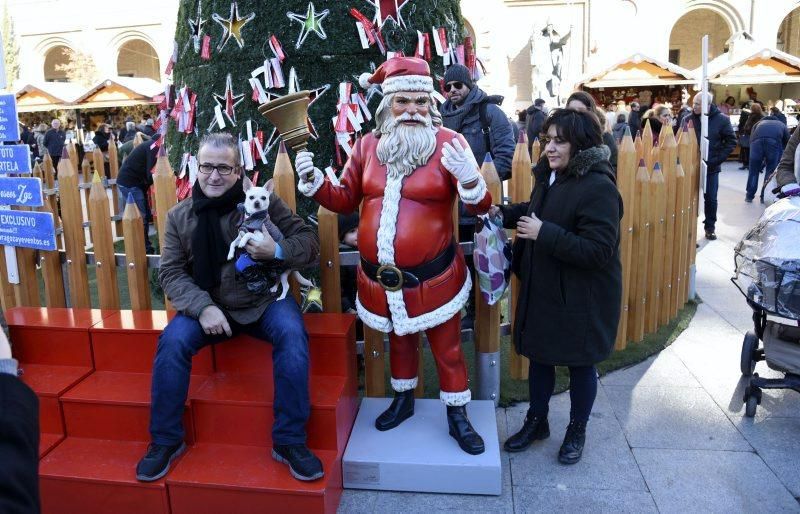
{"type": "Point", "coordinates": [93, 379]}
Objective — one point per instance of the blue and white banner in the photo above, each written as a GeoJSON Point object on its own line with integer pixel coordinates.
{"type": "Point", "coordinates": [15, 159]}
{"type": "Point", "coordinates": [9, 124]}
{"type": "Point", "coordinates": [27, 229]}
{"type": "Point", "coordinates": [22, 191]}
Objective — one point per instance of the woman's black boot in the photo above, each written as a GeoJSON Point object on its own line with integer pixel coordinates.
{"type": "Point", "coordinates": [572, 447]}
{"type": "Point", "coordinates": [533, 429]}
{"type": "Point", "coordinates": [461, 430]}
{"type": "Point", "coordinates": [401, 409]}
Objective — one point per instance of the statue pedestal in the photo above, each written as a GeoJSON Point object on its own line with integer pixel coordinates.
{"type": "Point", "coordinates": [419, 455]}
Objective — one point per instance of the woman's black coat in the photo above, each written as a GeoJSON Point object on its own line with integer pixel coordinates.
{"type": "Point", "coordinates": [571, 276]}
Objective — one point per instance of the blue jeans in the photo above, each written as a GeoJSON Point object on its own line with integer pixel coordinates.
{"type": "Point", "coordinates": [281, 324]}
{"type": "Point", "coordinates": [710, 200]}
{"type": "Point", "coordinates": [762, 150]}
{"type": "Point", "coordinates": [140, 199]}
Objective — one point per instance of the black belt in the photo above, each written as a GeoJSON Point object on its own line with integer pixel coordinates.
{"type": "Point", "coordinates": [393, 278]}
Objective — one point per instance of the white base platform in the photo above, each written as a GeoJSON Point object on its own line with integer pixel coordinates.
{"type": "Point", "coordinates": [419, 455]}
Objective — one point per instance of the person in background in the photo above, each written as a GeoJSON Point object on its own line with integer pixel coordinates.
{"type": "Point", "coordinates": [622, 109]}
{"type": "Point", "coordinates": [520, 124]}
{"type": "Point", "coordinates": [126, 148]}
{"type": "Point", "coordinates": [727, 106]}
{"type": "Point", "coordinates": [566, 256]}
{"type": "Point", "coordinates": [536, 117]}
{"type": "Point", "coordinates": [26, 137]}
{"type": "Point", "coordinates": [608, 138]}
{"type": "Point", "coordinates": [54, 140]}
{"type": "Point", "coordinates": [582, 101]}
{"type": "Point", "coordinates": [130, 132]}
{"type": "Point", "coordinates": [785, 174]}
{"type": "Point", "coordinates": [123, 133]}
{"type": "Point", "coordinates": [147, 128]}
{"type": "Point", "coordinates": [38, 133]}
{"type": "Point", "coordinates": [619, 128]}
{"type": "Point", "coordinates": [744, 142]}
{"type": "Point", "coordinates": [778, 114]}
{"type": "Point", "coordinates": [721, 142]}
{"type": "Point", "coordinates": [134, 179]}
{"type": "Point", "coordinates": [348, 239]}
{"type": "Point", "coordinates": [611, 115]}
{"type": "Point", "coordinates": [634, 119]}
{"type": "Point", "coordinates": [768, 137]}
{"type": "Point", "coordinates": [19, 439]}
{"type": "Point", "coordinates": [101, 138]}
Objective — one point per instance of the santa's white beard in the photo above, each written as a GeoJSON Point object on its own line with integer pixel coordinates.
{"type": "Point", "coordinates": [406, 147]}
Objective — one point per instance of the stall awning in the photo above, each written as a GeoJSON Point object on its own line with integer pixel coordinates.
{"type": "Point", "coordinates": [119, 92]}
{"type": "Point", "coordinates": [764, 66]}
{"type": "Point", "coordinates": [636, 71]}
{"type": "Point", "coordinates": [47, 96]}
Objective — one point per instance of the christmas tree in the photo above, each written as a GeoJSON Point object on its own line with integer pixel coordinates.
{"type": "Point", "coordinates": [230, 57]}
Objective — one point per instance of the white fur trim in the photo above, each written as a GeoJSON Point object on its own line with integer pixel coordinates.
{"type": "Point", "coordinates": [363, 80]}
{"type": "Point", "coordinates": [404, 384]}
{"type": "Point", "coordinates": [311, 188]}
{"type": "Point", "coordinates": [475, 195]}
{"type": "Point", "coordinates": [456, 399]}
{"type": "Point", "coordinates": [387, 229]}
{"type": "Point", "coordinates": [408, 83]}
{"type": "Point", "coordinates": [404, 325]}
{"type": "Point", "coordinates": [371, 320]}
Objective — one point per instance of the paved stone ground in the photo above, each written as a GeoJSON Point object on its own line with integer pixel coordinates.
{"type": "Point", "coordinates": [666, 435]}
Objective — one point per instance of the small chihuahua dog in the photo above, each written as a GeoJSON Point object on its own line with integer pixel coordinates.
{"type": "Point", "coordinates": [255, 223]}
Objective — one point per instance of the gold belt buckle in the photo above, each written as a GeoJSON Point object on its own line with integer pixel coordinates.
{"type": "Point", "coordinates": [394, 269]}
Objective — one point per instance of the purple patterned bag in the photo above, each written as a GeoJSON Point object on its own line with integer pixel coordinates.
{"type": "Point", "coordinates": [492, 258]}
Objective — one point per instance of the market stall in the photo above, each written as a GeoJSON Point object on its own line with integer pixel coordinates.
{"type": "Point", "coordinates": [639, 78]}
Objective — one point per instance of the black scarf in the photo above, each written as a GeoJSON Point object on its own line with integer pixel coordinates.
{"type": "Point", "coordinates": [208, 244]}
{"type": "Point", "coordinates": [453, 116]}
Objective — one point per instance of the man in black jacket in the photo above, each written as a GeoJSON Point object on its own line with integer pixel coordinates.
{"type": "Point", "coordinates": [54, 140]}
{"type": "Point", "coordinates": [535, 121]}
{"type": "Point", "coordinates": [721, 142]}
{"type": "Point", "coordinates": [135, 179]}
{"type": "Point", "coordinates": [635, 119]}
{"type": "Point", "coordinates": [19, 439]}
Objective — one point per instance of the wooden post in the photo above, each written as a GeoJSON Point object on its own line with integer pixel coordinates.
{"type": "Point", "coordinates": [330, 276]}
{"type": "Point", "coordinates": [669, 156]}
{"type": "Point", "coordinates": [103, 243]}
{"type": "Point", "coordinates": [86, 180]}
{"type": "Point", "coordinates": [52, 274]}
{"type": "Point", "coordinates": [50, 183]}
{"type": "Point", "coordinates": [487, 317]}
{"type": "Point", "coordinates": [657, 198]}
{"type": "Point", "coordinates": [72, 152]}
{"type": "Point", "coordinates": [100, 168]}
{"type": "Point", "coordinates": [626, 182]}
{"type": "Point", "coordinates": [8, 299]}
{"type": "Point", "coordinates": [521, 187]}
{"type": "Point", "coordinates": [74, 235]}
{"type": "Point", "coordinates": [637, 142]}
{"type": "Point", "coordinates": [686, 158]}
{"type": "Point", "coordinates": [27, 291]}
{"type": "Point", "coordinates": [136, 257]}
{"type": "Point", "coordinates": [374, 361]}
{"type": "Point", "coordinates": [681, 240]}
{"type": "Point", "coordinates": [647, 145]}
{"type": "Point", "coordinates": [694, 182]}
{"type": "Point", "coordinates": [164, 184]}
{"type": "Point", "coordinates": [283, 177]}
{"type": "Point", "coordinates": [641, 235]}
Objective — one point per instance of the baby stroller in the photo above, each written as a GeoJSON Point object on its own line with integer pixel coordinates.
{"type": "Point", "coordinates": [768, 275]}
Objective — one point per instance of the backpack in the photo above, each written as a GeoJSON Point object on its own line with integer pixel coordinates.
{"type": "Point", "coordinates": [486, 123]}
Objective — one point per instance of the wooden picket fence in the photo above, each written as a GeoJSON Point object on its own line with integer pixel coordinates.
{"type": "Point", "coordinates": [658, 183]}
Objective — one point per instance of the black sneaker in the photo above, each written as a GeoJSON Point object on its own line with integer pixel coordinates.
{"type": "Point", "coordinates": [303, 464]}
{"type": "Point", "coordinates": [156, 462]}
{"type": "Point", "coordinates": [710, 235]}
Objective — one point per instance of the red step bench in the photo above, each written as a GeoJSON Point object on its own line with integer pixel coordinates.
{"type": "Point", "coordinates": [228, 418]}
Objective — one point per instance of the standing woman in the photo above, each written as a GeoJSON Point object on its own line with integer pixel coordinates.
{"type": "Point", "coordinates": [566, 255]}
{"type": "Point", "coordinates": [583, 101]}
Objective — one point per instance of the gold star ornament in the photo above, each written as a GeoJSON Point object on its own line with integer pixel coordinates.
{"type": "Point", "coordinates": [232, 26]}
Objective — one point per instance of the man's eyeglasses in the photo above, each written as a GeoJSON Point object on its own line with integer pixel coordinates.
{"type": "Point", "coordinates": [222, 169]}
{"type": "Point", "coordinates": [453, 85]}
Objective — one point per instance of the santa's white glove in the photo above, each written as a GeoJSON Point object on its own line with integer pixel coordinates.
{"type": "Point", "coordinates": [792, 189]}
{"type": "Point", "coordinates": [460, 162]}
{"type": "Point", "coordinates": [304, 165]}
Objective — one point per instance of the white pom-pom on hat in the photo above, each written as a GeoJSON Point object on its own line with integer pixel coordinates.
{"type": "Point", "coordinates": [363, 80]}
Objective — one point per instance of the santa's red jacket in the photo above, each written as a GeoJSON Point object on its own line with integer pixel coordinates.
{"type": "Point", "coordinates": [405, 222]}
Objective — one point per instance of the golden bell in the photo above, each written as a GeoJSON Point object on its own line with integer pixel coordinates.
{"type": "Point", "coordinates": [289, 115]}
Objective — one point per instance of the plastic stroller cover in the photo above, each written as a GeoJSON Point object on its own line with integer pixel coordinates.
{"type": "Point", "coordinates": [768, 260]}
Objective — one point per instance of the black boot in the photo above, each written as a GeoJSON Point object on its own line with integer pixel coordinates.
{"type": "Point", "coordinates": [572, 447]}
{"type": "Point", "coordinates": [401, 409]}
{"type": "Point", "coordinates": [461, 430]}
{"type": "Point", "coordinates": [532, 430]}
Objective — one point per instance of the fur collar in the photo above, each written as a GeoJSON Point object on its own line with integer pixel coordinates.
{"type": "Point", "coordinates": [585, 160]}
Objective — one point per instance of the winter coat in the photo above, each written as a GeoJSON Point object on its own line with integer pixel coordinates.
{"type": "Point", "coordinates": [535, 121]}
{"type": "Point", "coordinates": [721, 140]}
{"type": "Point", "coordinates": [619, 130]}
{"type": "Point", "coordinates": [770, 127]}
{"type": "Point", "coordinates": [785, 171]}
{"type": "Point", "coordinates": [136, 170]}
{"type": "Point", "coordinates": [608, 140]}
{"type": "Point", "coordinates": [54, 142]}
{"type": "Point", "coordinates": [19, 446]}
{"type": "Point", "coordinates": [571, 275]}
{"type": "Point", "coordinates": [100, 139]}
{"type": "Point", "coordinates": [300, 249]}
{"type": "Point", "coordinates": [635, 121]}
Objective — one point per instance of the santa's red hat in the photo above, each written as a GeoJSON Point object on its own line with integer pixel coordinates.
{"type": "Point", "coordinates": [400, 74]}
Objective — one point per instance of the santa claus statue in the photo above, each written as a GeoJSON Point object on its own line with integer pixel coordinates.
{"type": "Point", "coordinates": [406, 176]}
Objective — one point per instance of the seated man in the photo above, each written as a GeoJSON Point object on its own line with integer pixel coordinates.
{"type": "Point", "coordinates": [213, 303]}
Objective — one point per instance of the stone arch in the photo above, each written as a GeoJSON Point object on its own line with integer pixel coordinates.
{"type": "Point", "coordinates": [137, 58]}
{"type": "Point", "coordinates": [55, 57]}
{"type": "Point", "coordinates": [787, 32]}
{"type": "Point", "coordinates": [701, 17]}
{"type": "Point", "coordinates": [118, 43]}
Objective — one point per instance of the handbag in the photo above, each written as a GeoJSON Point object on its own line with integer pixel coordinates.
{"type": "Point", "coordinates": [492, 258]}
{"type": "Point", "coordinates": [744, 140]}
